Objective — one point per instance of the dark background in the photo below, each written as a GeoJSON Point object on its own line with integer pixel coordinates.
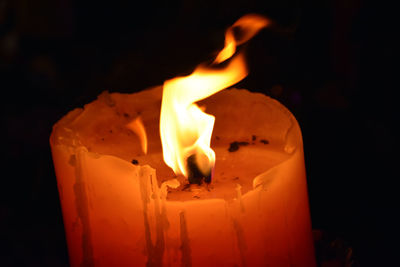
{"type": "Point", "coordinates": [329, 62]}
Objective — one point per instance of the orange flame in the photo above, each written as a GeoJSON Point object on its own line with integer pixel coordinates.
{"type": "Point", "coordinates": [184, 128]}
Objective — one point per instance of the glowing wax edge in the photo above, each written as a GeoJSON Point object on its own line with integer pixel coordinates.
{"type": "Point", "coordinates": [260, 181]}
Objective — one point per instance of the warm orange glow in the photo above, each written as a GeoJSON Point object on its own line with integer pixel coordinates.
{"type": "Point", "coordinates": [229, 48]}
{"type": "Point", "coordinates": [250, 25]}
{"type": "Point", "coordinates": [137, 127]}
{"type": "Point", "coordinates": [184, 128]}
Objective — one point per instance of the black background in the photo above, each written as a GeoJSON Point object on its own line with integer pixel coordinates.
{"type": "Point", "coordinates": [330, 62]}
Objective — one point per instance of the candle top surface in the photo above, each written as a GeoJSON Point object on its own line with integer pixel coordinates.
{"type": "Point", "coordinates": [252, 134]}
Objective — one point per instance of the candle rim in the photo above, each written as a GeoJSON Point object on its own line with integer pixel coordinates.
{"type": "Point", "coordinates": [292, 136]}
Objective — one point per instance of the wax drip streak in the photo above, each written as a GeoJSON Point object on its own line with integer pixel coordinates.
{"type": "Point", "coordinates": [81, 204]}
{"type": "Point", "coordinates": [239, 197]}
{"type": "Point", "coordinates": [185, 242]}
{"type": "Point", "coordinates": [149, 190]}
{"type": "Point", "coordinates": [160, 243]}
{"type": "Point", "coordinates": [241, 240]}
{"type": "Point", "coordinates": [236, 214]}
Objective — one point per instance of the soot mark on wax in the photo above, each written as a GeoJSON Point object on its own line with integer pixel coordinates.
{"type": "Point", "coordinates": [234, 146]}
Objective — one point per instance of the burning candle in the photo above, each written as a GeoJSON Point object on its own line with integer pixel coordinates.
{"type": "Point", "coordinates": [123, 206]}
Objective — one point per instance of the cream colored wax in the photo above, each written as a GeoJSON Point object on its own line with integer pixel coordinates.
{"type": "Point", "coordinates": [254, 213]}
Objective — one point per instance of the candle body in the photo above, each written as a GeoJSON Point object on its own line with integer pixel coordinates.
{"type": "Point", "coordinates": [116, 213]}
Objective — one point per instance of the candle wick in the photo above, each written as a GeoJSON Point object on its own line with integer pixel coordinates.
{"type": "Point", "coordinates": [196, 176]}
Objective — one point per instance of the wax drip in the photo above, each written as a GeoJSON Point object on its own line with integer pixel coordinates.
{"type": "Point", "coordinates": [241, 240]}
{"type": "Point", "coordinates": [186, 260]}
{"type": "Point", "coordinates": [150, 194]}
{"type": "Point", "coordinates": [82, 206]}
{"type": "Point", "coordinates": [239, 196]}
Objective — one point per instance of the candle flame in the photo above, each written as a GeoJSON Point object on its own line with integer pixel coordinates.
{"type": "Point", "coordinates": [185, 128]}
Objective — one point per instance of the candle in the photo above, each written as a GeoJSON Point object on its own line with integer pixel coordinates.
{"type": "Point", "coordinates": [122, 206]}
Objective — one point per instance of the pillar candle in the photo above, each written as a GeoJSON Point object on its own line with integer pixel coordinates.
{"type": "Point", "coordinates": [122, 207]}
